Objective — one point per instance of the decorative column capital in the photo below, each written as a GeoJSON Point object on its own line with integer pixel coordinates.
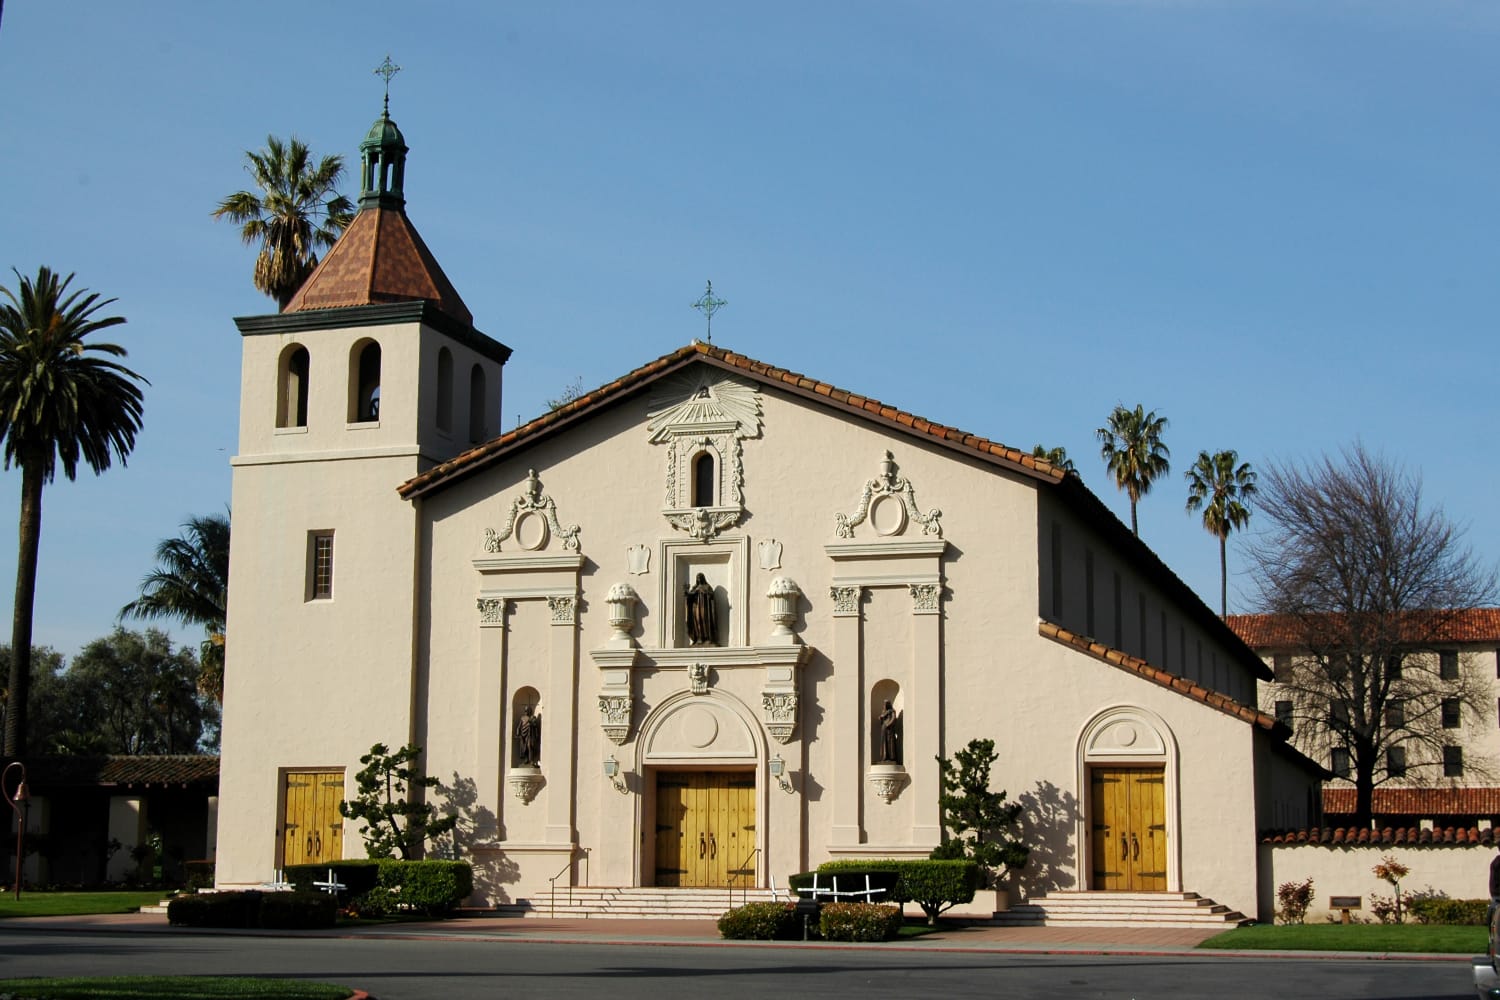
{"type": "Point", "coordinates": [614, 717]}
{"type": "Point", "coordinates": [926, 598]}
{"type": "Point", "coordinates": [491, 611]}
{"type": "Point", "coordinates": [845, 600]}
{"type": "Point", "coordinates": [564, 609]}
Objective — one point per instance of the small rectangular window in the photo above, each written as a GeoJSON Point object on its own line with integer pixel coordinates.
{"type": "Point", "coordinates": [1395, 713]}
{"type": "Point", "coordinates": [1453, 762]}
{"type": "Point", "coordinates": [1088, 592]}
{"type": "Point", "coordinates": [1284, 713]}
{"type": "Point", "coordinates": [319, 565]}
{"type": "Point", "coordinates": [1339, 762]}
{"type": "Point", "coordinates": [1057, 572]}
{"type": "Point", "coordinates": [1451, 713]}
{"type": "Point", "coordinates": [1338, 714]}
{"type": "Point", "coordinates": [1119, 615]}
{"type": "Point", "coordinates": [1281, 668]}
{"type": "Point", "coordinates": [1395, 762]}
{"type": "Point", "coordinates": [1338, 667]}
{"type": "Point", "coordinates": [1165, 665]}
{"type": "Point", "coordinates": [1140, 600]}
{"type": "Point", "coordinates": [1448, 664]}
{"type": "Point", "coordinates": [1393, 667]}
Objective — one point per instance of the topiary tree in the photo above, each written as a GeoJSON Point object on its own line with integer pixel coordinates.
{"type": "Point", "coordinates": [974, 818]}
{"type": "Point", "coordinates": [392, 822]}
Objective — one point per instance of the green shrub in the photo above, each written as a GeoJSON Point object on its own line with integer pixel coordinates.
{"type": "Point", "coordinates": [759, 922]}
{"type": "Point", "coordinates": [297, 910]}
{"type": "Point", "coordinates": [199, 874]}
{"type": "Point", "coordinates": [933, 885]}
{"type": "Point", "coordinates": [215, 909]}
{"type": "Point", "coordinates": [1450, 911]}
{"type": "Point", "coordinates": [430, 887]}
{"type": "Point", "coordinates": [859, 922]}
{"type": "Point", "coordinates": [357, 875]}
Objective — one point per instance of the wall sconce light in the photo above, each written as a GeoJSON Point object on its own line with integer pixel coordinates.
{"type": "Point", "coordinates": [612, 772]}
{"type": "Point", "coordinates": [778, 771]}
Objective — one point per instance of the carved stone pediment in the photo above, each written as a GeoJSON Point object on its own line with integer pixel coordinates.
{"type": "Point", "coordinates": [532, 522]}
{"type": "Point", "coordinates": [696, 413]}
{"type": "Point", "coordinates": [889, 503]}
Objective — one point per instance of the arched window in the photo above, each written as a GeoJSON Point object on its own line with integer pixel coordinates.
{"type": "Point", "coordinates": [364, 382]}
{"type": "Point", "coordinates": [705, 482]}
{"type": "Point", "coordinates": [444, 389]}
{"type": "Point", "coordinates": [477, 430]}
{"type": "Point", "coordinates": [291, 388]}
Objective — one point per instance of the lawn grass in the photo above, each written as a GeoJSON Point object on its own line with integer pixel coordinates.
{"type": "Point", "coordinates": [72, 904]}
{"type": "Point", "coordinates": [168, 988]}
{"type": "Point", "coordinates": [1433, 938]}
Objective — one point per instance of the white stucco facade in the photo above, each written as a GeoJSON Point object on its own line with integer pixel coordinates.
{"type": "Point", "coordinates": [856, 554]}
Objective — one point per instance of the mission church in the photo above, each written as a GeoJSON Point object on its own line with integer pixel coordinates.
{"type": "Point", "coordinates": [709, 624]}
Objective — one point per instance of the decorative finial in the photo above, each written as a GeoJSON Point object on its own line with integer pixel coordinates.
{"type": "Point", "coordinates": [387, 69]}
{"type": "Point", "coordinates": [708, 305]}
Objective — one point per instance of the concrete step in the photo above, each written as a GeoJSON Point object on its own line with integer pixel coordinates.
{"type": "Point", "coordinates": [630, 902]}
{"type": "Point", "coordinates": [1104, 909]}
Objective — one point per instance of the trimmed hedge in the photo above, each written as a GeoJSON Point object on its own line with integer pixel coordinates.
{"type": "Point", "coordinates": [358, 875]}
{"type": "Point", "coordinates": [271, 910]}
{"type": "Point", "coordinates": [1449, 911]}
{"type": "Point", "coordinates": [933, 885]}
{"type": "Point", "coordinates": [376, 886]}
{"type": "Point", "coordinates": [859, 922]}
{"type": "Point", "coordinates": [760, 922]}
{"type": "Point", "coordinates": [298, 910]}
{"type": "Point", "coordinates": [432, 887]}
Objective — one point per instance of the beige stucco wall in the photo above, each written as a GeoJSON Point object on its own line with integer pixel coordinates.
{"type": "Point", "coordinates": [998, 677]}
{"type": "Point", "coordinates": [1458, 872]}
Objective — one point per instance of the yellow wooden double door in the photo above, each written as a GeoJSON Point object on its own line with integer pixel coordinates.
{"type": "Point", "coordinates": [705, 827]}
{"type": "Point", "coordinates": [1129, 820]}
{"type": "Point", "coordinates": [312, 828]}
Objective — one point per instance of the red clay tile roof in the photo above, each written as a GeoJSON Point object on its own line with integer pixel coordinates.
{"type": "Point", "coordinates": [476, 458]}
{"type": "Point", "coordinates": [1456, 625]}
{"type": "Point", "coordinates": [1341, 836]}
{"type": "Point", "coordinates": [379, 258]}
{"type": "Point", "coordinates": [119, 769]}
{"type": "Point", "coordinates": [1418, 801]}
{"type": "Point", "coordinates": [1183, 686]}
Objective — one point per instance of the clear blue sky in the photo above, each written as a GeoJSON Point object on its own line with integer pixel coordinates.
{"type": "Point", "coordinates": [1273, 222]}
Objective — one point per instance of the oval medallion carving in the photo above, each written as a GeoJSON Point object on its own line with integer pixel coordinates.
{"type": "Point", "coordinates": [888, 515]}
{"type": "Point", "coordinates": [699, 727]}
{"type": "Point", "coordinates": [531, 531]}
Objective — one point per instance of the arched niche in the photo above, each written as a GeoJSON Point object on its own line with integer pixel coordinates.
{"type": "Point", "coordinates": [477, 430]}
{"type": "Point", "coordinates": [364, 382]}
{"type": "Point", "coordinates": [291, 386]}
{"type": "Point", "coordinates": [444, 412]}
{"type": "Point", "coordinates": [885, 691]}
{"type": "Point", "coordinates": [525, 698]}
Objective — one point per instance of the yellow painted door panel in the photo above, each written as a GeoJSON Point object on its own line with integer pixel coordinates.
{"type": "Point", "coordinates": [312, 828]}
{"type": "Point", "coordinates": [1128, 829]}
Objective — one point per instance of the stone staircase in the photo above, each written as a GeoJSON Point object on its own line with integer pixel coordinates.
{"type": "Point", "coordinates": [1120, 909]}
{"type": "Point", "coordinates": [632, 903]}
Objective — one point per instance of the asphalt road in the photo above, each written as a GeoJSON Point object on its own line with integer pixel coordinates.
{"type": "Point", "coordinates": [422, 969]}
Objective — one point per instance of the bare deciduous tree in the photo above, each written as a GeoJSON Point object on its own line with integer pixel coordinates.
{"type": "Point", "coordinates": [1366, 582]}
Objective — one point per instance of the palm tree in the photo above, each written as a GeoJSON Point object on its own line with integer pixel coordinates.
{"type": "Point", "coordinates": [1217, 485]}
{"type": "Point", "coordinates": [1133, 452]}
{"type": "Point", "coordinates": [1055, 456]}
{"type": "Point", "coordinates": [59, 402]}
{"type": "Point", "coordinates": [296, 214]}
{"type": "Point", "coordinates": [191, 584]}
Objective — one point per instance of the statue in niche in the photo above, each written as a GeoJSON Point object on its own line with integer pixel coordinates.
{"type": "Point", "coordinates": [528, 738]}
{"type": "Point", "coordinates": [702, 613]}
{"type": "Point", "coordinates": [890, 735]}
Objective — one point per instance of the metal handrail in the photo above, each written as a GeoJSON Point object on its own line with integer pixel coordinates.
{"type": "Point", "coordinates": [552, 882]}
{"type": "Point", "coordinates": [745, 894]}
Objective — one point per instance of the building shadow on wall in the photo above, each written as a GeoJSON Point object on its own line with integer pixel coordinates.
{"type": "Point", "coordinates": [1049, 817]}
{"type": "Point", "coordinates": [476, 825]}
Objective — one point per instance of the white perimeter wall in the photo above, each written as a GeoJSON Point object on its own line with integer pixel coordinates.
{"type": "Point", "coordinates": [1453, 870]}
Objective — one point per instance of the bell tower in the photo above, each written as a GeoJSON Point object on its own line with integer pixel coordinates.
{"type": "Point", "coordinates": [372, 374]}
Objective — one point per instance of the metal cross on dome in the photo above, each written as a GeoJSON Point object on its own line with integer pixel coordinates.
{"type": "Point", "coordinates": [708, 305]}
{"type": "Point", "coordinates": [387, 69]}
